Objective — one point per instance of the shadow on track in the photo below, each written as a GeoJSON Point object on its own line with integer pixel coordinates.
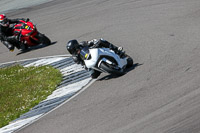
{"type": "Point", "coordinates": [113, 76]}
{"type": "Point", "coordinates": [35, 48]}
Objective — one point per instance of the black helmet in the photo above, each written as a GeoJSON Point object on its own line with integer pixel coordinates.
{"type": "Point", "coordinates": [72, 46]}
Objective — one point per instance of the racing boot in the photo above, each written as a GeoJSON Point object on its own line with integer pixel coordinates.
{"type": "Point", "coordinates": [9, 46]}
{"type": "Point", "coordinates": [14, 41]}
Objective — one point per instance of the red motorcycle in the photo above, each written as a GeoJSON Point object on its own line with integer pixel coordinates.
{"type": "Point", "coordinates": [28, 35]}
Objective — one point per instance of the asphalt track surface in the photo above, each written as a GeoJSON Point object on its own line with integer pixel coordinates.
{"type": "Point", "coordinates": [159, 95]}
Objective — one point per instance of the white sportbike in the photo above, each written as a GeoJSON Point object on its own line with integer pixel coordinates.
{"type": "Point", "coordinates": [105, 60]}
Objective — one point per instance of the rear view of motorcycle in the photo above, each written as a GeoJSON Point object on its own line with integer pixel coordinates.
{"type": "Point", "coordinates": [28, 35]}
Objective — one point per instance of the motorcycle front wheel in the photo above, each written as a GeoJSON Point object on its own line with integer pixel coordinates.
{"type": "Point", "coordinates": [106, 67]}
{"type": "Point", "coordinates": [44, 39]}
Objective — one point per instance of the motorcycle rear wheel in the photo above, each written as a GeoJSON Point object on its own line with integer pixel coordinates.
{"type": "Point", "coordinates": [110, 69]}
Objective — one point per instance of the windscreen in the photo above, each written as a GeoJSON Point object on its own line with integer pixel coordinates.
{"type": "Point", "coordinates": [84, 53]}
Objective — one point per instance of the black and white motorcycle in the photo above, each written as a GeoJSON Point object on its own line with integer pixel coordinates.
{"type": "Point", "coordinates": [105, 60]}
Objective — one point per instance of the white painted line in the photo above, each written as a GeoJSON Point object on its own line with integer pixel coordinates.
{"type": "Point", "coordinates": [72, 88]}
{"type": "Point", "coordinates": [71, 69]}
{"type": "Point", "coordinates": [18, 124]}
{"type": "Point", "coordinates": [67, 55]}
{"type": "Point", "coordinates": [44, 61]}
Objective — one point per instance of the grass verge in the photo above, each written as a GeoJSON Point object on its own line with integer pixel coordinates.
{"type": "Point", "coordinates": [22, 88]}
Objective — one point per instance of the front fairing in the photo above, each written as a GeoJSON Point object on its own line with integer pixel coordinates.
{"type": "Point", "coordinates": [85, 53]}
{"type": "Point", "coordinates": [24, 28]}
{"type": "Point", "coordinates": [97, 53]}
{"type": "Point", "coordinates": [94, 53]}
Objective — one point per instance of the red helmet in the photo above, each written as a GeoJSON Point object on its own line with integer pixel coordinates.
{"type": "Point", "coordinates": [2, 17]}
{"type": "Point", "coordinates": [3, 20]}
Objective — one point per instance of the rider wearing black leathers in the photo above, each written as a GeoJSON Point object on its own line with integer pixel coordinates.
{"type": "Point", "coordinates": [74, 48]}
{"type": "Point", "coordinates": [6, 36]}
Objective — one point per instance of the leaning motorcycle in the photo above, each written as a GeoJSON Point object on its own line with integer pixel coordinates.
{"type": "Point", "coordinates": [105, 60]}
{"type": "Point", "coordinates": [28, 35]}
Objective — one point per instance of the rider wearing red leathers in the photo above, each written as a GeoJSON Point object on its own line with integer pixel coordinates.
{"type": "Point", "coordinates": [74, 48]}
{"type": "Point", "coordinates": [6, 35]}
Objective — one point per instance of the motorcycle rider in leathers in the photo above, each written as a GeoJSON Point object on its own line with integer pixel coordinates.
{"type": "Point", "coordinates": [6, 36]}
{"type": "Point", "coordinates": [74, 48]}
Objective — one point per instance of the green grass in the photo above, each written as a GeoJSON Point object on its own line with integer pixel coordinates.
{"type": "Point", "coordinates": [23, 88]}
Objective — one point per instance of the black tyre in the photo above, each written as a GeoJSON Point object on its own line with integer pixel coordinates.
{"type": "Point", "coordinates": [95, 74]}
{"type": "Point", "coordinates": [44, 39]}
{"type": "Point", "coordinates": [24, 47]}
{"type": "Point", "coordinates": [111, 70]}
{"type": "Point", "coordinates": [129, 61]}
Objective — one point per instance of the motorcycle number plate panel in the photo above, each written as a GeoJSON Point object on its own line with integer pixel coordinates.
{"type": "Point", "coordinates": [84, 53]}
{"type": "Point", "coordinates": [27, 27]}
